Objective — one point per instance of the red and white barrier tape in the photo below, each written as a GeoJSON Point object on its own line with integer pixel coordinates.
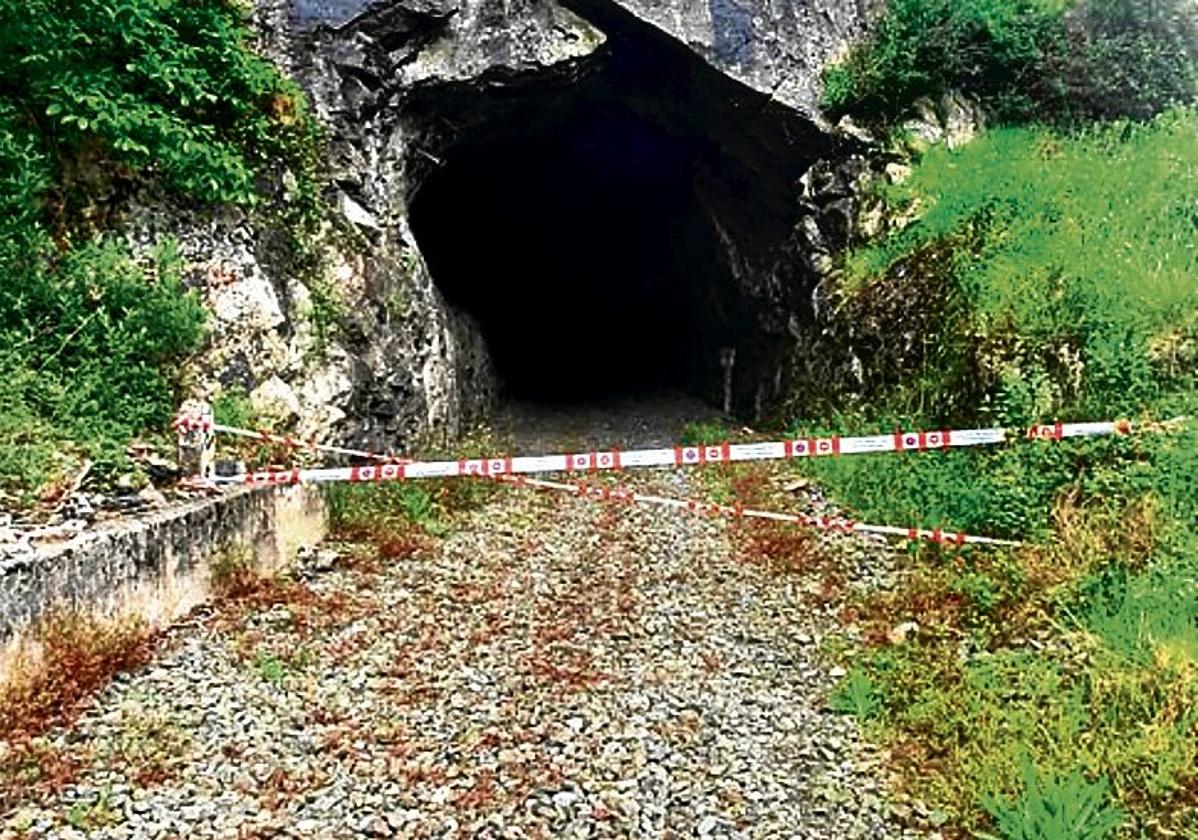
{"type": "Point", "coordinates": [826, 523]}
{"type": "Point", "coordinates": [678, 456]}
{"type": "Point", "coordinates": [193, 423]}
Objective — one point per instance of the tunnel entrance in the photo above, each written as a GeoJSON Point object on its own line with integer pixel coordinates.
{"type": "Point", "coordinates": [600, 232]}
{"type": "Point", "coordinates": [581, 250]}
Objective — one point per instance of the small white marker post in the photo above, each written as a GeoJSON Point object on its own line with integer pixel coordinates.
{"type": "Point", "coordinates": [197, 440]}
{"type": "Point", "coordinates": [727, 360]}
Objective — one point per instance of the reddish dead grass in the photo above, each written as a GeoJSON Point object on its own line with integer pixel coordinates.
{"type": "Point", "coordinates": [79, 656]}
{"type": "Point", "coordinates": [32, 770]}
{"type": "Point", "coordinates": [389, 542]}
{"type": "Point", "coordinates": [241, 591]}
{"type": "Point", "coordinates": [780, 547]}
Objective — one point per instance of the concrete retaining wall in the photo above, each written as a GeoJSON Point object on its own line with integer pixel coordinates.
{"type": "Point", "coordinates": [157, 566]}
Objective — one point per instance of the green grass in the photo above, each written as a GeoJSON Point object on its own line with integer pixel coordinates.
{"type": "Point", "coordinates": [706, 432]}
{"type": "Point", "coordinates": [394, 505]}
{"type": "Point", "coordinates": [1068, 289]}
{"type": "Point", "coordinates": [1049, 691]}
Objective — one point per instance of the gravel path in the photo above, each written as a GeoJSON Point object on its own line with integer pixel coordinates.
{"type": "Point", "coordinates": [628, 422]}
{"type": "Point", "coordinates": [551, 669]}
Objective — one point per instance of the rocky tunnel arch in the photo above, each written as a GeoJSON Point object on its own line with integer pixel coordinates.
{"type": "Point", "coordinates": [621, 230]}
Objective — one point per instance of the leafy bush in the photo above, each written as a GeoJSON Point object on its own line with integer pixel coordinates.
{"type": "Point", "coordinates": [232, 407]}
{"type": "Point", "coordinates": [167, 87]}
{"type": "Point", "coordinates": [1026, 59]}
{"type": "Point", "coordinates": [96, 98]}
{"type": "Point", "coordinates": [1130, 58]}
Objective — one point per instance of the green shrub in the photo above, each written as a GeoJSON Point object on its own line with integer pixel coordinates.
{"type": "Point", "coordinates": [162, 86]}
{"type": "Point", "coordinates": [98, 97]}
{"type": "Point", "coordinates": [232, 407]}
{"type": "Point", "coordinates": [1130, 58]}
{"type": "Point", "coordinates": [924, 47]}
{"type": "Point", "coordinates": [1025, 59]}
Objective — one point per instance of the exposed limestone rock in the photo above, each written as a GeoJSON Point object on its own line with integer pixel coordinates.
{"type": "Point", "coordinates": [275, 399]}
{"type": "Point", "coordinates": [953, 120]}
{"type": "Point", "coordinates": [856, 344]}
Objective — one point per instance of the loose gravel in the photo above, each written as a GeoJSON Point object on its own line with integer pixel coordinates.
{"type": "Point", "coordinates": [552, 668]}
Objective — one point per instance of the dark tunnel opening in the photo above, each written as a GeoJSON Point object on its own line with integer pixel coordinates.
{"type": "Point", "coordinates": [585, 226]}
{"type": "Point", "coordinates": [583, 257]}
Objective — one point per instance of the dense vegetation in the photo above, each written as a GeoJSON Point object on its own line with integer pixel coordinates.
{"type": "Point", "coordinates": [1071, 296]}
{"type": "Point", "coordinates": [1047, 692]}
{"type": "Point", "coordinates": [1024, 59]}
{"type": "Point", "coordinates": [99, 98]}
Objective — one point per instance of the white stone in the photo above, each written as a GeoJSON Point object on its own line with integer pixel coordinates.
{"type": "Point", "coordinates": [357, 214]}
{"type": "Point", "coordinates": [249, 303]}
{"type": "Point", "coordinates": [274, 398]}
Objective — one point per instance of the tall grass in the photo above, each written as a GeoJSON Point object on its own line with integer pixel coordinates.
{"type": "Point", "coordinates": [1070, 269]}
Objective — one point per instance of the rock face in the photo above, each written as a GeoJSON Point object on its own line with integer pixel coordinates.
{"type": "Point", "coordinates": [777, 48]}
{"type": "Point", "coordinates": [400, 84]}
{"type": "Point", "coordinates": [401, 364]}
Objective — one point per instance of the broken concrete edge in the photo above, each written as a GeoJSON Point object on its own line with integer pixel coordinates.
{"type": "Point", "coordinates": [156, 568]}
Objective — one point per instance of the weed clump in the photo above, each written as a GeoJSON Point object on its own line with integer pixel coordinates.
{"type": "Point", "coordinates": [1068, 808]}
{"type": "Point", "coordinates": [398, 518]}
